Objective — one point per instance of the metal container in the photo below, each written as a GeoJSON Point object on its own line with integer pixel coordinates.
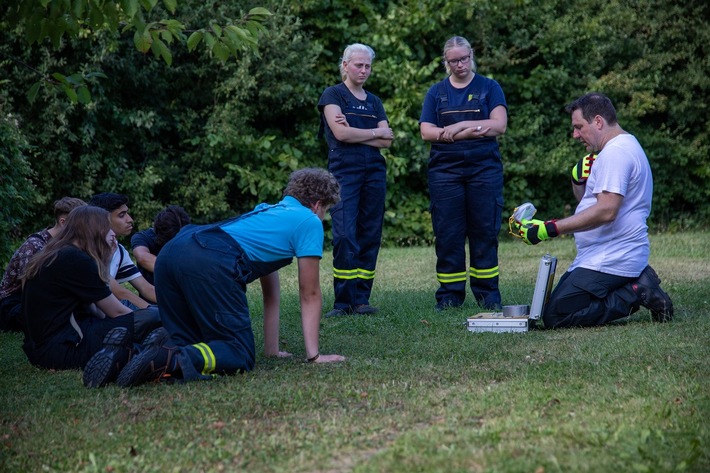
{"type": "Point", "coordinates": [516, 310]}
{"type": "Point", "coordinates": [497, 324]}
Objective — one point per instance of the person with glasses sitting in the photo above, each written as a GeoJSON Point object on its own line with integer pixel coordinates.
{"type": "Point", "coordinates": [462, 117]}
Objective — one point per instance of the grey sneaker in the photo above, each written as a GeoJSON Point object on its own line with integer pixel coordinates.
{"type": "Point", "coordinates": [336, 313]}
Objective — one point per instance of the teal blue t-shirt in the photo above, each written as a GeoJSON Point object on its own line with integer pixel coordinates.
{"type": "Point", "coordinates": [275, 232]}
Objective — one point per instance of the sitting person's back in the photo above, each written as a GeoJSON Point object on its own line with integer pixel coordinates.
{"type": "Point", "coordinates": [11, 285]}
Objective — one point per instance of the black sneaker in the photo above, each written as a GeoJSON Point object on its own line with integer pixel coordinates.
{"type": "Point", "coordinates": [106, 364]}
{"type": "Point", "coordinates": [651, 296]}
{"type": "Point", "coordinates": [154, 361]}
{"type": "Point", "coordinates": [155, 337]}
{"type": "Point", "coordinates": [365, 309]}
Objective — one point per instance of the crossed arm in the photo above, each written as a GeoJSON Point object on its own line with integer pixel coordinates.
{"type": "Point", "coordinates": [144, 258]}
{"type": "Point", "coordinates": [380, 137]}
{"type": "Point", "coordinates": [495, 125]}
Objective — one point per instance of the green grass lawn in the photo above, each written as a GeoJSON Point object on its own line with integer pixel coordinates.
{"type": "Point", "coordinates": [418, 392]}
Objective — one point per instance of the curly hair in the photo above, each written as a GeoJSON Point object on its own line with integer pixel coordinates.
{"type": "Point", "coordinates": [86, 227]}
{"type": "Point", "coordinates": [311, 185]}
{"type": "Point", "coordinates": [168, 223]}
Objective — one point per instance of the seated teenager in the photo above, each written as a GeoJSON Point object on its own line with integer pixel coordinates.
{"type": "Point", "coordinates": [147, 244]}
{"type": "Point", "coordinates": [59, 285]}
{"type": "Point", "coordinates": [122, 269]}
{"type": "Point", "coordinates": [11, 285]}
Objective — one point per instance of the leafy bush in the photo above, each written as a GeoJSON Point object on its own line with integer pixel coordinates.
{"type": "Point", "coordinates": [18, 194]}
{"type": "Point", "coordinates": [218, 137]}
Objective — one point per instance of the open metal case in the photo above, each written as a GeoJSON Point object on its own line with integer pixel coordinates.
{"type": "Point", "coordinates": [495, 322]}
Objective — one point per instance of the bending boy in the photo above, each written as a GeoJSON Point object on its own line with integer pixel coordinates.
{"type": "Point", "coordinates": [202, 273]}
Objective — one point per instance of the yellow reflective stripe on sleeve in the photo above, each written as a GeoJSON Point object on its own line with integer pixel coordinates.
{"type": "Point", "coordinates": [365, 274]}
{"type": "Point", "coordinates": [210, 360]}
{"type": "Point", "coordinates": [344, 273]}
{"type": "Point", "coordinates": [451, 277]}
{"type": "Point", "coordinates": [484, 273]}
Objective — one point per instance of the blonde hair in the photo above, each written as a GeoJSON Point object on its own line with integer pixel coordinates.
{"type": "Point", "coordinates": [457, 42]}
{"type": "Point", "coordinates": [348, 54]}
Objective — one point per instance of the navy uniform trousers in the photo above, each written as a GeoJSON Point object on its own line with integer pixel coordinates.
{"type": "Point", "coordinates": [201, 277]}
{"type": "Point", "coordinates": [357, 219]}
{"type": "Point", "coordinates": [466, 192]}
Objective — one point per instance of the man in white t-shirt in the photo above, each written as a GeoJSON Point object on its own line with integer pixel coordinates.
{"type": "Point", "coordinates": [610, 278]}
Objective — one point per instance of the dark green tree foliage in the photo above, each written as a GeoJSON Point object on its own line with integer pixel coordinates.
{"type": "Point", "coordinates": [218, 137]}
{"type": "Point", "coordinates": [17, 196]}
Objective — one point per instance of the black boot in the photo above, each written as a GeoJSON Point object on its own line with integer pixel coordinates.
{"type": "Point", "coordinates": [647, 288]}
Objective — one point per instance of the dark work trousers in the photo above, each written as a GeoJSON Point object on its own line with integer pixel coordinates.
{"type": "Point", "coordinates": [69, 349]}
{"type": "Point", "coordinates": [585, 298]}
{"type": "Point", "coordinates": [357, 223]}
{"type": "Point", "coordinates": [201, 277]}
{"type": "Point", "coordinates": [11, 313]}
{"type": "Point", "coordinates": [466, 193]}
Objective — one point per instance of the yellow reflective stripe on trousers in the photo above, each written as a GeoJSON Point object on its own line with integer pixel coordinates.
{"type": "Point", "coordinates": [484, 273]}
{"type": "Point", "coordinates": [353, 273]}
{"type": "Point", "coordinates": [344, 273]}
{"type": "Point", "coordinates": [210, 360]}
{"type": "Point", "coordinates": [365, 274]}
{"type": "Point", "coordinates": [451, 277]}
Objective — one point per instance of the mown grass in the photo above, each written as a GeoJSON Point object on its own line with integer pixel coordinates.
{"type": "Point", "coordinates": [418, 392]}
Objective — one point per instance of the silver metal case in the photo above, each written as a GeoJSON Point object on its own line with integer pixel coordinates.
{"type": "Point", "coordinates": [496, 322]}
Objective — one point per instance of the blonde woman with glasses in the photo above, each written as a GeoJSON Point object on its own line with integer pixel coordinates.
{"type": "Point", "coordinates": [462, 117]}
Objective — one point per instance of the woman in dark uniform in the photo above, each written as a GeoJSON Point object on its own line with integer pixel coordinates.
{"type": "Point", "coordinates": [462, 115]}
{"type": "Point", "coordinates": [356, 128]}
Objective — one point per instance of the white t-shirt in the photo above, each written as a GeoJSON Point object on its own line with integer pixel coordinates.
{"type": "Point", "coordinates": [122, 268]}
{"type": "Point", "coordinates": [620, 247]}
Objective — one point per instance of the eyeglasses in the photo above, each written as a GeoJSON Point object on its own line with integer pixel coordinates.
{"type": "Point", "coordinates": [462, 60]}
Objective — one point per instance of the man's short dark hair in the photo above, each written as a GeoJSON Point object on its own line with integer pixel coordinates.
{"type": "Point", "coordinates": [593, 104]}
{"type": "Point", "coordinates": [109, 201]}
{"type": "Point", "coordinates": [168, 223]}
